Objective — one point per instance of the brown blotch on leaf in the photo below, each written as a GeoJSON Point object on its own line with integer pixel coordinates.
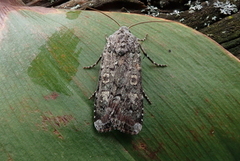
{"type": "Point", "coordinates": [52, 96]}
{"type": "Point", "coordinates": [59, 135]}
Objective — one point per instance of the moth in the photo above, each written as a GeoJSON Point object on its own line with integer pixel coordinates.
{"type": "Point", "coordinates": [119, 95]}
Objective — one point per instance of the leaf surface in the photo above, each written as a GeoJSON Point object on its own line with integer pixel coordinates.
{"type": "Point", "coordinates": [45, 111]}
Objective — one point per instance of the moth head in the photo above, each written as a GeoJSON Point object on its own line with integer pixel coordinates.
{"type": "Point", "coordinates": [124, 29]}
{"type": "Point", "coordinates": [123, 42]}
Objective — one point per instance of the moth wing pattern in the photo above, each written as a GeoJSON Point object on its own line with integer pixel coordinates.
{"type": "Point", "coordinates": [119, 96]}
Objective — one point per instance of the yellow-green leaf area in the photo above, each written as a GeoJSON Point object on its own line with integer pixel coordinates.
{"type": "Point", "coordinates": [57, 62]}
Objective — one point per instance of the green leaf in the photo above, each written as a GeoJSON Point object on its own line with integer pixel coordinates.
{"type": "Point", "coordinates": [45, 111]}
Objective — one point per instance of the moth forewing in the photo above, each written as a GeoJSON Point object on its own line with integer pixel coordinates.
{"type": "Point", "coordinates": [119, 95]}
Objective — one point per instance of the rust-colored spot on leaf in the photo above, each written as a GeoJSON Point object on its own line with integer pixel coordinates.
{"type": "Point", "coordinates": [87, 123]}
{"type": "Point", "coordinates": [142, 146]}
{"type": "Point", "coordinates": [139, 146]}
{"type": "Point", "coordinates": [195, 135]}
{"type": "Point", "coordinates": [53, 123]}
{"type": "Point", "coordinates": [52, 96]}
{"type": "Point", "coordinates": [9, 157]}
{"type": "Point", "coordinates": [196, 112]}
{"type": "Point", "coordinates": [12, 108]}
{"type": "Point", "coordinates": [210, 115]}
{"type": "Point", "coordinates": [59, 135]}
{"type": "Point", "coordinates": [207, 100]}
{"type": "Point", "coordinates": [211, 132]}
{"type": "Point", "coordinates": [152, 115]}
{"type": "Point", "coordinates": [148, 151]}
{"type": "Point", "coordinates": [50, 119]}
{"type": "Point", "coordinates": [153, 153]}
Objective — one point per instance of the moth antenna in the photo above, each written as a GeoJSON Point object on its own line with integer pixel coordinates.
{"type": "Point", "coordinates": [105, 15]}
{"type": "Point", "coordinates": [144, 22]}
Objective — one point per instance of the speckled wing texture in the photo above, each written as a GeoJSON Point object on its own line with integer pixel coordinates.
{"type": "Point", "coordinates": [119, 96]}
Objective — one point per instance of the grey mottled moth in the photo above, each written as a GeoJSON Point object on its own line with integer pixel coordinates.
{"type": "Point", "coordinates": [119, 95]}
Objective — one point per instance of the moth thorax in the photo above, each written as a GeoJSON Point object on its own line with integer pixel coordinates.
{"type": "Point", "coordinates": [122, 49]}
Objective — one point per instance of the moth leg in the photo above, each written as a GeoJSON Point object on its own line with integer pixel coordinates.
{"type": "Point", "coordinates": [146, 97]}
{"type": "Point", "coordinates": [92, 95]}
{"type": "Point", "coordinates": [88, 67]}
{"type": "Point", "coordinates": [145, 54]}
{"type": "Point", "coordinates": [143, 38]}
